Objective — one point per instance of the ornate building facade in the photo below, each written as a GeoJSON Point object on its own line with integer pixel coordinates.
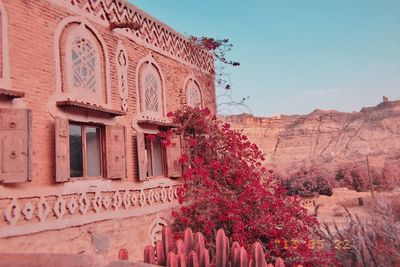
{"type": "Point", "coordinates": [77, 100]}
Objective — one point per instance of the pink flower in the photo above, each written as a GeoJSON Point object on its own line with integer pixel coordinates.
{"type": "Point", "coordinates": [150, 137]}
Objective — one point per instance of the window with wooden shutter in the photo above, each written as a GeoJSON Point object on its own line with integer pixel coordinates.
{"type": "Point", "coordinates": [174, 152]}
{"type": "Point", "coordinates": [15, 145]}
{"type": "Point", "coordinates": [62, 150]}
{"type": "Point", "coordinates": [116, 152]}
{"type": "Point", "coordinates": [142, 157]}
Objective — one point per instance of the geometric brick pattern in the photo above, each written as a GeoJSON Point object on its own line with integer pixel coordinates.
{"type": "Point", "coordinates": [154, 33]}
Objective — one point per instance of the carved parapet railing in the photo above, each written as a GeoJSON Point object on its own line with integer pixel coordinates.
{"type": "Point", "coordinates": [78, 203]}
{"type": "Point", "coordinates": [153, 33]}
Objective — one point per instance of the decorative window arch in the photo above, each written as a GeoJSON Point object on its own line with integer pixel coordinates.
{"type": "Point", "coordinates": [155, 229]}
{"type": "Point", "coordinates": [82, 63]}
{"type": "Point", "coordinates": [5, 81]}
{"type": "Point", "coordinates": [193, 93]}
{"type": "Point", "coordinates": [122, 63]}
{"type": "Point", "coordinates": [151, 89]}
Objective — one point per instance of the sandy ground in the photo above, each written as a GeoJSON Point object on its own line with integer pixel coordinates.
{"type": "Point", "coordinates": [358, 203]}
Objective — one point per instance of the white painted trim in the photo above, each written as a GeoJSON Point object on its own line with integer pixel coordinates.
{"type": "Point", "coordinates": [12, 230]}
{"type": "Point", "coordinates": [99, 96]}
{"type": "Point", "coordinates": [5, 81]}
{"type": "Point", "coordinates": [203, 58]}
{"type": "Point", "coordinates": [149, 59]}
{"type": "Point", "coordinates": [122, 72]}
{"type": "Point", "coordinates": [57, 52]}
{"type": "Point", "coordinates": [124, 200]}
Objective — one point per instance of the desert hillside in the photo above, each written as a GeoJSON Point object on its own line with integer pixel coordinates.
{"type": "Point", "coordinates": [326, 137]}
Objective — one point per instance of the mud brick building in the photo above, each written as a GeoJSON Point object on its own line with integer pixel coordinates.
{"type": "Point", "coordinates": [77, 99]}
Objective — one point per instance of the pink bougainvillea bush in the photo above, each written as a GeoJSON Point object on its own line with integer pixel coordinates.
{"type": "Point", "coordinates": [226, 186]}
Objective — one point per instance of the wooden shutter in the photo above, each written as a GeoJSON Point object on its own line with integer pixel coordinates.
{"type": "Point", "coordinates": [142, 156]}
{"type": "Point", "coordinates": [116, 152]}
{"type": "Point", "coordinates": [174, 153]}
{"type": "Point", "coordinates": [15, 145]}
{"type": "Point", "coordinates": [62, 150]}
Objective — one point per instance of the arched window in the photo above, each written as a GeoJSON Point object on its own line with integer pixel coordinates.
{"type": "Point", "coordinates": [85, 69]}
{"type": "Point", "coordinates": [193, 94]}
{"type": "Point", "coordinates": [151, 90]}
{"type": "Point", "coordinates": [83, 65]}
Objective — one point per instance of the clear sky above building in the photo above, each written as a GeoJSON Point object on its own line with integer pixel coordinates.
{"type": "Point", "coordinates": [298, 55]}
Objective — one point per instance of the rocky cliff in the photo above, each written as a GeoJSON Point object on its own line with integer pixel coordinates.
{"type": "Point", "coordinates": [326, 137]}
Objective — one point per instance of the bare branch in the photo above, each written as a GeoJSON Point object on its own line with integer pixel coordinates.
{"type": "Point", "coordinates": [122, 25]}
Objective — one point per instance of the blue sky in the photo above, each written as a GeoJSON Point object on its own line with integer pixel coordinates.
{"type": "Point", "coordinates": [298, 55]}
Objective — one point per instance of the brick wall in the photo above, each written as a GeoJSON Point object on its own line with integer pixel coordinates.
{"type": "Point", "coordinates": [43, 205]}
{"type": "Point", "coordinates": [31, 30]}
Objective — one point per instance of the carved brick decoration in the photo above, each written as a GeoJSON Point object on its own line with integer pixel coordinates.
{"type": "Point", "coordinates": [151, 89]}
{"type": "Point", "coordinates": [12, 212]}
{"type": "Point", "coordinates": [116, 159]}
{"type": "Point", "coordinates": [153, 33]}
{"type": "Point", "coordinates": [155, 229]}
{"type": "Point", "coordinates": [73, 209]}
{"type": "Point", "coordinates": [122, 72]}
{"type": "Point", "coordinates": [28, 211]}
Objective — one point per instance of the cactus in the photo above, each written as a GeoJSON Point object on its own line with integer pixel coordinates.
{"type": "Point", "coordinates": [189, 241]}
{"type": "Point", "coordinates": [182, 260]}
{"type": "Point", "coordinates": [172, 259]}
{"type": "Point", "coordinates": [204, 258]}
{"type": "Point", "coordinates": [221, 249]}
{"type": "Point", "coordinates": [180, 246]}
{"type": "Point", "coordinates": [166, 254]}
{"type": "Point", "coordinates": [235, 246]}
{"type": "Point", "coordinates": [200, 243]}
{"type": "Point", "coordinates": [235, 256]}
{"type": "Point", "coordinates": [258, 258]}
{"type": "Point", "coordinates": [167, 239]}
{"type": "Point", "coordinates": [161, 260]}
{"type": "Point", "coordinates": [227, 250]}
{"type": "Point", "coordinates": [193, 260]}
{"type": "Point", "coordinates": [240, 258]}
{"type": "Point", "coordinates": [279, 262]}
{"type": "Point", "coordinates": [149, 255]}
{"type": "Point", "coordinates": [199, 238]}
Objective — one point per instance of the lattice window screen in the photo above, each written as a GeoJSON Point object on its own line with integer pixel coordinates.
{"type": "Point", "coordinates": [152, 92]}
{"type": "Point", "coordinates": [85, 65]}
{"type": "Point", "coordinates": [193, 96]}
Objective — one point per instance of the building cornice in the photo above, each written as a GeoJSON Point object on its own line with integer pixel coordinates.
{"type": "Point", "coordinates": [153, 34]}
